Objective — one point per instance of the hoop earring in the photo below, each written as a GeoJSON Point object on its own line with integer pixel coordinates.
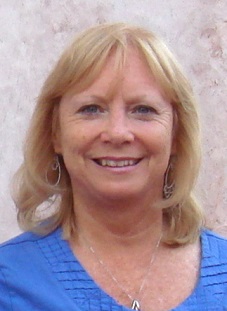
{"type": "Point", "coordinates": [55, 166]}
{"type": "Point", "coordinates": [169, 185]}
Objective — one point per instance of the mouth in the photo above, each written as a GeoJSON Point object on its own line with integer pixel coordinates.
{"type": "Point", "coordinates": [117, 163]}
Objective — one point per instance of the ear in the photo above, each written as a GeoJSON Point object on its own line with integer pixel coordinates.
{"type": "Point", "coordinates": [56, 131]}
{"type": "Point", "coordinates": [174, 133]}
{"type": "Point", "coordinates": [56, 141]}
{"type": "Point", "coordinates": [174, 146]}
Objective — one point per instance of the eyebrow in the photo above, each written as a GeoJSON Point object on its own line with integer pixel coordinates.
{"type": "Point", "coordinates": [84, 98]}
{"type": "Point", "coordinates": [129, 99]}
{"type": "Point", "coordinates": [153, 99]}
{"type": "Point", "coordinates": [139, 98]}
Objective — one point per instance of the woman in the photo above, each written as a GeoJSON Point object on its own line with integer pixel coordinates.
{"type": "Point", "coordinates": [105, 190]}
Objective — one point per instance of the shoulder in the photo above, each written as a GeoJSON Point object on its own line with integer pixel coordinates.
{"type": "Point", "coordinates": [214, 245]}
{"type": "Point", "coordinates": [214, 266]}
{"type": "Point", "coordinates": [24, 248]}
{"type": "Point", "coordinates": [22, 238]}
{"type": "Point", "coordinates": [29, 274]}
{"type": "Point", "coordinates": [20, 255]}
{"type": "Point", "coordinates": [19, 244]}
{"type": "Point", "coordinates": [17, 258]}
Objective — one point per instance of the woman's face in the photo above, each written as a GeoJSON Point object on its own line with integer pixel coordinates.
{"type": "Point", "coordinates": [116, 142]}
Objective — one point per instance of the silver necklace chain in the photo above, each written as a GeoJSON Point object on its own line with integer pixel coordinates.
{"type": "Point", "coordinates": [135, 303]}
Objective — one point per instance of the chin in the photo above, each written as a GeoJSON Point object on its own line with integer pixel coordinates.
{"type": "Point", "coordinates": [123, 193]}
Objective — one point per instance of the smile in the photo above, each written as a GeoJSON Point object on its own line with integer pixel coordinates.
{"type": "Point", "coordinates": [117, 163]}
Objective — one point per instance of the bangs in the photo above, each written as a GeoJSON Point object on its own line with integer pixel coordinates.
{"type": "Point", "coordinates": [91, 71]}
{"type": "Point", "coordinates": [160, 67]}
{"type": "Point", "coordinates": [84, 62]}
{"type": "Point", "coordinates": [85, 59]}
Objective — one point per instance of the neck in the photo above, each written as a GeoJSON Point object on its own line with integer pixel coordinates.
{"type": "Point", "coordinates": [118, 234]}
{"type": "Point", "coordinates": [118, 222]}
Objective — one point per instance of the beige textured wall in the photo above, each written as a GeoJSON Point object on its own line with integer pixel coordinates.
{"type": "Point", "coordinates": [34, 32]}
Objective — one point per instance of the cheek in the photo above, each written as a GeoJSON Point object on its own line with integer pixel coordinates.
{"type": "Point", "coordinates": [159, 138]}
{"type": "Point", "coordinates": [76, 140]}
{"type": "Point", "coordinates": [164, 146]}
{"type": "Point", "coordinates": [165, 137]}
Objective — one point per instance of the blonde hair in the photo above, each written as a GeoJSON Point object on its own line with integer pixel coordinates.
{"type": "Point", "coordinates": [77, 68]}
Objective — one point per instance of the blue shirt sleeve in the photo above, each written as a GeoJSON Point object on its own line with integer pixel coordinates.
{"type": "Point", "coordinates": [5, 298]}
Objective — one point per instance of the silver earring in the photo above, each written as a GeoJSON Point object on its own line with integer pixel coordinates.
{"type": "Point", "coordinates": [169, 185]}
{"type": "Point", "coordinates": [55, 166]}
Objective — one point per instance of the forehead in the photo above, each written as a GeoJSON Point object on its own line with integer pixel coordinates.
{"type": "Point", "coordinates": [132, 74]}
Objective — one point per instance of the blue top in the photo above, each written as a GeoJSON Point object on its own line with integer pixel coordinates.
{"type": "Point", "coordinates": [42, 274]}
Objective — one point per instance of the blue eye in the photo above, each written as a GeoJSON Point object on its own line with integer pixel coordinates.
{"type": "Point", "coordinates": [90, 109]}
{"type": "Point", "coordinates": [144, 112]}
{"type": "Point", "coordinates": [144, 109]}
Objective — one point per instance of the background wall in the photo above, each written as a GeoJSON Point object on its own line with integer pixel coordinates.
{"type": "Point", "coordinates": [33, 34]}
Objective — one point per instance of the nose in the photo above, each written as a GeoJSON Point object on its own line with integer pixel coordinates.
{"type": "Point", "coordinates": [117, 129]}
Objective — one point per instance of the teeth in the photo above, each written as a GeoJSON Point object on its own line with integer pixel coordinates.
{"type": "Point", "coordinates": [120, 163]}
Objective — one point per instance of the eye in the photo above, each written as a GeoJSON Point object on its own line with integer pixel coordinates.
{"type": "Point", "coordinates": [144, 111]}
{"type": "Point", "coordinates": [91, 109]}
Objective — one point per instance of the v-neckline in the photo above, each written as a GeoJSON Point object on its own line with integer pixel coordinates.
{"type": "Point", "coordinates": [80, 285]}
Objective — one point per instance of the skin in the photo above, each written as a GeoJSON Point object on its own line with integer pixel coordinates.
{"type": "Point", "coordinates": [116, 145]}
{"type": "Point", "coordinates": [135, 123]}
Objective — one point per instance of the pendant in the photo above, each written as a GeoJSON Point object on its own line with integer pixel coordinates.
{"type": "Point", "coordinates": [135, 305]}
